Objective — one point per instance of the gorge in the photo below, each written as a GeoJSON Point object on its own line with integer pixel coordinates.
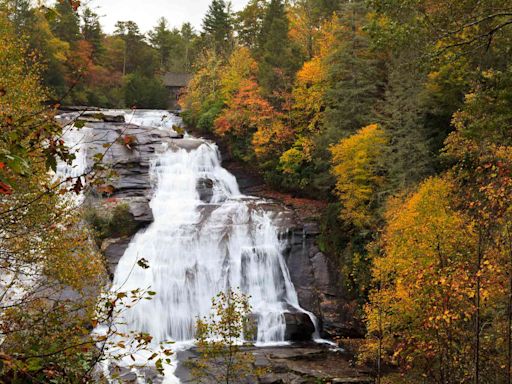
{"type": "Point", "coordinates": [200, 235]}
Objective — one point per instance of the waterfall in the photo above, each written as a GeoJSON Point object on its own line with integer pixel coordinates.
{"type": "Point", "coordinates": [150, 118]}
{"type": "Point", "coordinates": [206, 237]}
{"type": "Point", "coordinates": [76, 140]}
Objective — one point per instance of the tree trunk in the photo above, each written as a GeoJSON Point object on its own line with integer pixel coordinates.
{"type": "Point", "coordinates": [477, 305]}
{"type": "Point", "coordinates": [509, 308]}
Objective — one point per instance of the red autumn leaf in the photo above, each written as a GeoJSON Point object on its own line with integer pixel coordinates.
{"type": "Point", "coordinates": [5, 189]}
{"type": "Point", "coordinates": [128, 141]}
{"type": "Point", "coordinates": [75, 4]}
{"type": "Point", "coordinates": [78, 186]}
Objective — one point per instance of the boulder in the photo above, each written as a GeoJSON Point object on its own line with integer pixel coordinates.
{"type": "Point", "coordinates": [187, 144]}
{"type": "Point", "coordinates": [177, 135]}
{"type": "Point", "coordinates": [205, 189]}
{"type": "Point", "coordinates": [140, 209]}
{"type": "Point", "coordinates": [102, 116]}
{"type": "Point", "coordinates": [299, 327]}
{"type": "Point", "coordinates": [114, 249]}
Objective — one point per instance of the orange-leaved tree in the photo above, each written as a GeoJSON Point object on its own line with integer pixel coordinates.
{"type": "Point", "coordinates": [246, 113]}
{"type": "Point", "coordinates": [308, 106]}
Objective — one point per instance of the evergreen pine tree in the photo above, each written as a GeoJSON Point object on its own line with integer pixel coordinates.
{"type": "Point", "coordinates": [20, 13]}
{"type": "Point", "coordinates": [354, 88]}
{"type": "Point", "coordinates": [160, 38]}
{"type": "Point", "coordinates": [279, 59]}
{"type": "Point", "coordinates": [409, 158]}
{"type": "Point", "coordinates": [249, 22]}
{"type": "Point", "coordinates": [66, 23]}
{"type": "Point", "coordinates": [354, 76]}
{"type": "Point", "coordinates": [91, 30]}
{"type": "Point", "coordinates": [218, 26]}
{"type": "Point", "coordinates": [138, 55]}
{"type": "Point", "coordinates": [325, 8]}
{"type": "Point", "coordinates": [188, 37]}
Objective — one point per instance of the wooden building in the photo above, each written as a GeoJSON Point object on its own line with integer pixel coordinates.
{"type": "Point", "coordinates": [176, 84]}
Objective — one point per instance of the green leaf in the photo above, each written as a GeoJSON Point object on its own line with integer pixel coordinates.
{"type": "Point", "coordinates": [79, 123]}
{"type": "Point", "coordinates": [143, 263]}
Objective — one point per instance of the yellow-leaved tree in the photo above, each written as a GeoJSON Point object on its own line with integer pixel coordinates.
{"type": "Point", "coordinates": [420, 312]}
{"type": "Point", "coordinates": [360, 177]}
{"type": "Point", "coordinates": [309, 100]}
{"type": "Point", "coordinates": [203, 101]}
{"type": "Point", "coordinates": [50, 272]}
{"type": "Point", "coordinates": [239, 69]}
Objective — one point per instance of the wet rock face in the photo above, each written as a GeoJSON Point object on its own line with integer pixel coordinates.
{"type": "Point", "coordinates": [315, 279]}
{"type": "Point", "coordinates": [298, 327]}
{"type": "Point", "coordinates": [314, 276]}
{"type": "Point", "coordinates": [114, 249]}
{"type": "Point", "coordinates": [205, 189]}
{"type": "Point", "coordinates": [128, 149]}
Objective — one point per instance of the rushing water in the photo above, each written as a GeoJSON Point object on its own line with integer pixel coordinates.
{"type": "Point", "coordinates": [197, 249]}
{"type": "Point", "coordinates": [206, 238]}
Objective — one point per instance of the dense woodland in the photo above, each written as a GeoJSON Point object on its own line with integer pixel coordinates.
{"type": "Point", "coordinates": [81, 65]}
{"type": "Point", "coordinates": [396, 112]}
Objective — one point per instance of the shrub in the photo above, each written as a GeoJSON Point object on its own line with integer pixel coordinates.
{"type": "Point", "coordinates": [117, 222]}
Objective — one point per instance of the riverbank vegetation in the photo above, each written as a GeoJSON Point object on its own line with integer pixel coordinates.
{"type": "Point", "coordinates": [51, 273]}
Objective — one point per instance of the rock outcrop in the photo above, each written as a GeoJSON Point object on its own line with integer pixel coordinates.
{"type": "Point", "coordinates": [299, 327]}
{"type": "Point", "coordinates": [315, 278]}
{"type": "Point", "coordinates": [129, 150]}
{"type": "Point", "coordinates": [297, 364]}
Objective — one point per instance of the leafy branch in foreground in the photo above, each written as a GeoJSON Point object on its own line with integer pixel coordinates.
{"type": "Point", "coordinates": [221, 340]}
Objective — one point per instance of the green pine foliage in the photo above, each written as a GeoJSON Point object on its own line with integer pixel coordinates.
{"type": "Point", "coordinates": [218, 27]}
{"type": "Point", "coordinates": [65, 22]}
{"type": "Point", "coordinates": [278, 58]}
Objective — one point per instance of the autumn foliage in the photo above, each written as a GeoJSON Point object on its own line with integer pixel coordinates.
{"type": "Point", "coordinates": [395, 114]}
{"type": "Point", "coordinates": [360, 175]}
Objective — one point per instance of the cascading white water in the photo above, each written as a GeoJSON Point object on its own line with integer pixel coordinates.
{"type": "Point", "coordinates": [206, 237]}
{"type": "Point", "coordinates": [150, 118]}
{"type": "Point", "coordinates": [76, 140]}
{"type": "Point", "coordinates": [197, 249]}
